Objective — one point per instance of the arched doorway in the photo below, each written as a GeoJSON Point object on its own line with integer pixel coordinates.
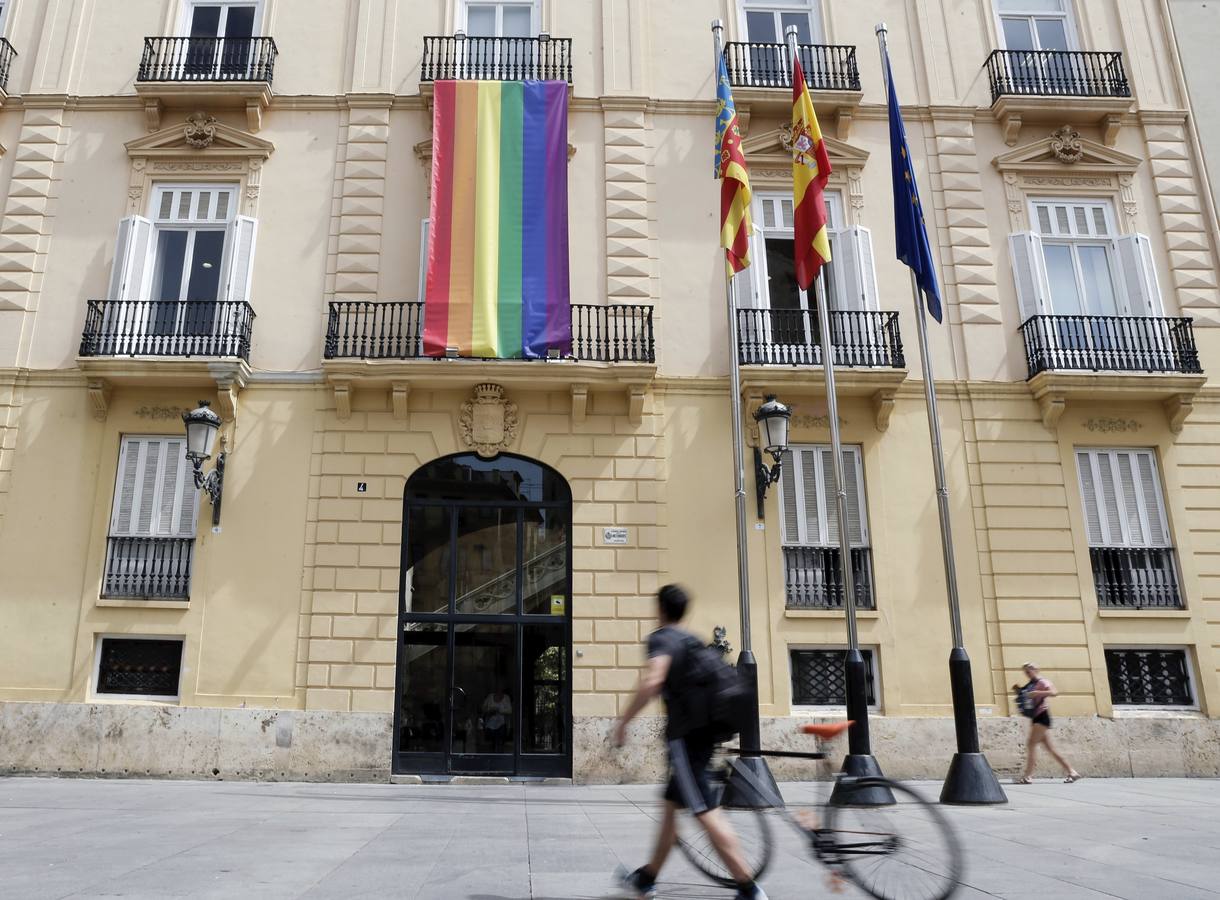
{"type": "Point", "coordinates": [484, 661]}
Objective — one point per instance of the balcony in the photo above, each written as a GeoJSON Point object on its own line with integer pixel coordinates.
{"type": "Point", "coordinates": [379, 344]}
{"type": "Point", "coordinates": [1136, 578]}
{"type": "Point", "coordinates": [168, 343]}
{"type": "Point", "coordinates": [7, 55]}
{"type": "Point", "coordinates": [761, 75]}
{"type": "Point", "coordinates": [148, 568]}
{"type": "Point", "coordinates": [782, 352]}
{"type": "Point", "coordinates": [194, 72]}
{"type": "Point", "coordinates": [1127, 357]}
{"type": "Point", "coordinates": [813, 578]}
{"type": "Point", "coordinates": [1058, 86]}
{"type": "Point", "coordinates": [463, 58]}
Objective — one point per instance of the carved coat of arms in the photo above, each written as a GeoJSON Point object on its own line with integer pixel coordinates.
{"type": "Point", "coordinates": [488, 422]}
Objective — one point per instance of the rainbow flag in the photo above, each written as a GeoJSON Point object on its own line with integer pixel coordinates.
{"type": "Point", "coordinates": [498, 252]}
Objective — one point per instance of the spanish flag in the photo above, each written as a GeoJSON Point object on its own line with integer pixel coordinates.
{"type": "Point", "coordinates": [734, 178]}
{"type": "Point", "coordinates": [810, 170]}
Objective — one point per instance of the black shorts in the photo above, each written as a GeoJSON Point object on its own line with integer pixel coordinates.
{"type": "Point", "coordinates": [1043, 718]}
{"type": "Point", "coordinates": [689, 785]}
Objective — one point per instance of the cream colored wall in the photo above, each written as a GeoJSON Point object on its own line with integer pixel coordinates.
{"type": "Point", "coordinates": [295, 600]}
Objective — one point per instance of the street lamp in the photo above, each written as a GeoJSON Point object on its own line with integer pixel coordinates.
{"type": "Point", "coordinates": [201, 427]}
{"type": "Point", "coordinates": [773, 419]}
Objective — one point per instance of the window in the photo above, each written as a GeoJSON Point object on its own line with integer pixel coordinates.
{"type": "Point", "coordinates": [4, 4]}
{"type": "Point", "coordinates": [152, 521]}
{"type": "Point", "coordinates": [818, 678]}
{"type": "Point", "coordinates": [221, 41]}
{"type": "Point", "coordinates": [1134, 564]}
{"type": "Point", "coordinates": [1074, 263]}
{"type": "Point", "coordinates": [1035, 25]}
{"type": "Point", "coordinates": [507, 18]}
{"type": "Point", "coordinates": [1156, 677]}
{"type": "Point", "coordinates": [766, 21]}
{"type": "Point", "coordinates": [142, 667]}
{"type": "Point", "coordinates": [230, 19]}
{"type": "Point", "coordinates": [810, 529]}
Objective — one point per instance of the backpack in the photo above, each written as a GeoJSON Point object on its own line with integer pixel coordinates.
{"type": "Point", "coordinates": [1025, 702]}
{"type": "Point", "coordinates": [714, 697]}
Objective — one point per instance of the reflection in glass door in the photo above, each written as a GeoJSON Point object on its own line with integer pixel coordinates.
{"type": "Point", "coordinates": [484, 669]}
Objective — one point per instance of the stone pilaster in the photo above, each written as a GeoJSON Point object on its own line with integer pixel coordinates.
{"type": "Point", "coordinates": [629, 216]}
{"type": "Point", "coordinates": [362, 173]}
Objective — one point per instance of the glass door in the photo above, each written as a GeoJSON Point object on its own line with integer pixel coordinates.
{"type": "Point", "coordinates": [765, 28]}
{"type": "Point", "coordinates": [222, 36]}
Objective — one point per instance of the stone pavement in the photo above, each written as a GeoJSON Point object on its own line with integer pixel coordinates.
{"type": "Point", "coordinates": [1130, 838]}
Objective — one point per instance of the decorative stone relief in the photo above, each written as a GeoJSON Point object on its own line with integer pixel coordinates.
{"type": "Point", "coordinates": [1111, 425]}
{"type": "Point", "coordinates": [160, 412]}
{"type": "Point", "coordinates": [200, 130]}
{"type": "Point", "coordinates": [1066, 146]}
{"type": "Point", "coordinates": [822, 422]}
{"type": "Point", "coordinates": [488, 422]}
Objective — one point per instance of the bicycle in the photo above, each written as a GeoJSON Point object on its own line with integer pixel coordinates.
{"type": "Point", "coordinates": [907, 851]}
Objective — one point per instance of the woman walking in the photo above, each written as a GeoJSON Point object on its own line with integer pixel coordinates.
{"type": "Point", "coordinates": [1035, 697]}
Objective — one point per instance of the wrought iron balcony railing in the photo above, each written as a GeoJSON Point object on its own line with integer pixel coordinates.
{"type": "Point", "coordinates": [813, 577]}
{"type": "Point", "coordinates": [464, 58]}
{"type": "Point", "coordinates": [862, 338]}
{"type": "Point", "coordinates": [361, 329]}
{"type": "Point", "coordinates": [207, 59]}
{"type": "Point", "coordinates": [7, 54]}
{"type": "Point", "coordinates": [827, 67]}
{"type": "Point", "coordinates": [1136, 577]}
{"type": "Point", "coordinates": [1110, 344]}
{"type": "Point", "coordinates": [156, 568]}
{"type": "Point", "coordinates": [167, 328]}
{"type": "Point", "coordinates": [1056, 73]}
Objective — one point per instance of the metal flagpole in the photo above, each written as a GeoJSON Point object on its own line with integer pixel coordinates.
{"type": "Point", "coordinates": [970, 778]}
{"type": "Point", "coordinates": [747, 666]}
{"type": "Point", "coordinates": [859, 760]}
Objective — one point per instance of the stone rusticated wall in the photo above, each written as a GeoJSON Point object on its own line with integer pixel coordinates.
{"type": "Point", "coordinates": [615, 469]}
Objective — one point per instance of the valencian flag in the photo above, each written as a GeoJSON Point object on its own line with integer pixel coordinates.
{"type": "Point", "coordinates": [498, 248]}
{"type": "Point", "coordinates": [734, 177]}
{"type": "Point", "coordinates": [810, 170]}
{"type": "Point", "coordinates": [910, 232]}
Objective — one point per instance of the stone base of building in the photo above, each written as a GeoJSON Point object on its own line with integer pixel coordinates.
{"type": "Point", "coordinates": [113, 740]}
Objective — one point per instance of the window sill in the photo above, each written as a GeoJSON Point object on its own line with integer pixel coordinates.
{"type": "Point", "coordinates": [827, 613]}
{"type": "Point", "coordinates": [828, 712]}
{"type": "Point", "coordinates": [131, 603]}
{"type": "Point", "coordinates": [1156, 712]}
{"type": "Point", "coordinates": [1152, 613]}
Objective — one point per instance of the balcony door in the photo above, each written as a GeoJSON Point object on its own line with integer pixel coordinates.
{"type": "Point", "coordinates": [221, 42]}
{"type": "Point", "coordinates": [765, 23]}
{"type": "Point", "coordinates": [1033, 27]}
{"type": "Point", "coordinates": [501, 45]}
{"type": "Point", "coordinates": [484, 657]}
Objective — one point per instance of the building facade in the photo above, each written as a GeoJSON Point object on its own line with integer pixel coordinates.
{"type": "Point", "coordinates": [446, 566]}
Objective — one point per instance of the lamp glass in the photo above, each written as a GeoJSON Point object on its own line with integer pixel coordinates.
{"type": "Point", "coordinates": [773, 419]}
{"type": "Point", "coordinates": [201, 427]}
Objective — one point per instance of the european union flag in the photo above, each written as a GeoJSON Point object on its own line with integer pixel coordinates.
{"type": "Point", "coordinates": [910, 232]}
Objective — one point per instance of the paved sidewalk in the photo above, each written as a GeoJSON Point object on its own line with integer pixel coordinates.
{"type": "Point", "coordinates": [155, 839]}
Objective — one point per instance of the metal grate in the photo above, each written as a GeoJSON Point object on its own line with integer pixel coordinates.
{"type": "Point", "coordinates": [813, 577]}
{"type": "Point", "coordinates": [148, 668]}
{"type": "Point", "coordinates": [1149, 678]}
{"type": "Point", "coordinates": [818, 678]}
{"type": "Point", "coordinates": [862, 338]}
{"type": "Point", "coordinates": [1110, 344]}
{"type": "Point", "coordinates": [1136, 577]}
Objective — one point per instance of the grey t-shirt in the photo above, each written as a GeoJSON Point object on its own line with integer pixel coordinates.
{"type": "Point", "coordinates": [674, 642]}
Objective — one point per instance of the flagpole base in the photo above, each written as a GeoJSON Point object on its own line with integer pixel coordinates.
{"type": "Point", "coordinates": [861, 765]}
{"type": "Point", "coordinates": [971, 782]}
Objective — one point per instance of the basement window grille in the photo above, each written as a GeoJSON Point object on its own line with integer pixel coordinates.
{"type": "Point", "coordinates": [1155, 677]}
{"type": "Point", "coordinates": [139, 667]}
{"type": "Point", "coordinates": [818, 679]}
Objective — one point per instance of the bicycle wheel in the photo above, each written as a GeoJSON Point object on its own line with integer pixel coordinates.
{"type": "Point", "coordinates": [753, 837]}
{"type": "Point", "coordinates": [908, 851]}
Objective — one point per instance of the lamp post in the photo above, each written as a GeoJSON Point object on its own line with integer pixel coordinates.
{"type": "Point", "coordinates": [202, 426]}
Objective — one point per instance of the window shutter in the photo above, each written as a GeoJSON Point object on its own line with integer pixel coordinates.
{"type": "Point", "coordinates": [787, 499]}
{"type": "Point", "coordinates": [1112, 520]}
{"type": "Point", "coordinates": [154, 495]}
{"type": "Point", "coordinates": [1138, 274]}
{"type": "Point", "coordinates": [1029, 273]}
{"type": "Point", "coordinates": [1129, 501]}
{"type": "Point", "coordinates": [1089, 498]}
{"type": "Point", "coordinates": [857, 520]}
{"type": "Point", "coordinates": [425, 236]}
{"type": "Point", "coordinates": [1149, 478]}
{"type": "Point", "coordinates": [752, 289]}
{"type": "Point", "coordinates": [857, 272]}
{"type": "Point", "coordinates": [815, 528]}
{"type": "Point", "coordinates": [242, 233]}
{"type": "Point", "coordinates": [132, 254]}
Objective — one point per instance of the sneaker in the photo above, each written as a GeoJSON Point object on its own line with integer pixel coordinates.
{"type": "Point", "coordinates": [754, 892]}
{"type": "Point", "coordinates": [642, 885]}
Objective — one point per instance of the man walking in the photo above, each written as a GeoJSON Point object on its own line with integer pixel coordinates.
{"type": "Point", "coordinates": [690, 750]}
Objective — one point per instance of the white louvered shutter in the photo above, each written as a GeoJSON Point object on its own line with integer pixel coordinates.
{"type": "Point", "coordinates": [811, 499]}
{"type": "Point", "coordinates": [133, 247]}
{"type": "Point", "coordinates": [425, 236]}
{"type": "Point", "coordinates": [855, 495]}
{"type": "Point", "coordinates": [790, 530]}
{"type": "Point", "coordinates": [857, 273]}
{"type": "Point", "coordinates": [1029, 274]}
{"type": "Point", "coordinates": [1122, 498]}
{"type": "Point", "coordinates": [1138, 275]}
{"type": "Point", "coordinates": [242, 233]}
{"type": "Point", "coordinates": [154, 493]}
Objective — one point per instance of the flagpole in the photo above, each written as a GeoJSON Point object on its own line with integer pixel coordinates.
{"type": "Point", "coordinates": [859, 761]}
{"type": "Point", "coordinates": [750, 737]}
{"type": "Point", "coordinates": [970, 778]}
